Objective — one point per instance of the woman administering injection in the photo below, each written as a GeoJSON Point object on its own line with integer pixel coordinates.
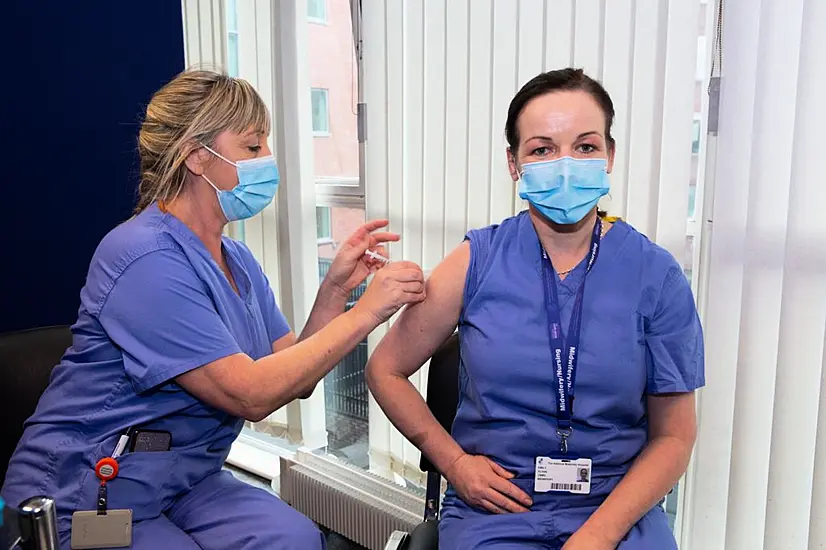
{"type": "Point", "coordinates": [179, 333]}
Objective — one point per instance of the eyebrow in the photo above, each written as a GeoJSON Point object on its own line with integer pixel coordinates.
{"type": "Point", "coordinates": [580, 136]}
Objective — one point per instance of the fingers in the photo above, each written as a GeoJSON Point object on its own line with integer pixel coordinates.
{"type": "Point", "coordinates": [414, 287]}
{"type": "Point", "coordinates": [491, 507]}
{"type": "Point", "coordinates": [512, 493]}
{"type": "Point", "coordinates": [503, 485]}
{"type": "Point", "coordinates": [385, 237]}
{"type": "Point", "coordinates": [498, 469]}
{"type": "Point", "coordinates": [402, 272]}
{"type": "Point", "coordinates": [503, 503]}
{"type": "Point", "coordinates": [372, 225]}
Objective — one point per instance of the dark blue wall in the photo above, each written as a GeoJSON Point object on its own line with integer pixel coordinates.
{"type": "Point", "coordinates": [75, 79]}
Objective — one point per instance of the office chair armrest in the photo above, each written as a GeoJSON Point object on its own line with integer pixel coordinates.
{"type": "Point", "coordinates": [424, 537]}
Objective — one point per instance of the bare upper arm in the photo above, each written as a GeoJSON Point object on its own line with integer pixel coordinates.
{"type": "Point", "coordinates": [423, 327]}
{"type": "Point", "coordinates": [674, 415]}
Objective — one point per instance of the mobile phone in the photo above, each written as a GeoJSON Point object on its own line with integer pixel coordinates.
{"type": "Point", "coordinates": [147, 441]}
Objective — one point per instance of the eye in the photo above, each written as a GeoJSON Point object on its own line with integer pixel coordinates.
{"type": "Point", "coordinates": [540, 152]}
{"type": "Point", "coordinates": [254, 148]}
{"type": "Point", "coordinates": [587, 148]}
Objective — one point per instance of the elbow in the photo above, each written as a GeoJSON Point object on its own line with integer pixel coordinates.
{"type": "Point", "coordinates": [255, 414]}
{"type": "Point", "coordinates": [307, 392]}
{"type": "Point", "coordinates": [376, 374]}
{"type": "Point", "coordinates": [254, 410]}
{"type": "Point", "coordinates": [371, 375]}
{"type": "Point", "coordinates": [257, 408]}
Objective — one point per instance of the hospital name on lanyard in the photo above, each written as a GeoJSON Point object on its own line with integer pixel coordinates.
{"type": "Point", "coordinates": [566, 374]}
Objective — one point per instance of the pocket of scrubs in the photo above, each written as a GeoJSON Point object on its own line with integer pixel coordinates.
{"type": "Point", "coordinates": [143, 483]}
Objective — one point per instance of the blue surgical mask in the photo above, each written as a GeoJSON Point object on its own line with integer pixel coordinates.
{"type": "Point", "coordinates": [257, 183]}
{"type": "Point", "coordinates": [566, 189]}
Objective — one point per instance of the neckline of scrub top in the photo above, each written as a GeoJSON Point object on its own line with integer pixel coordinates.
{"type": "Point", "coordinates": [568, 286]}
{"type": "Point", "coordinates": [234, 263]}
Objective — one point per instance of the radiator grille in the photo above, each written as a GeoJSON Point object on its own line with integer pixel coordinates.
{"type": "Point", "coordinates": [364, 508]}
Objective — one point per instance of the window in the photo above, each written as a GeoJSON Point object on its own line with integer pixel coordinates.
{"type": "Point", "coordinates": [317, 11]}
{"type": "Point", "coordinates": [324, 223]}
{"type": "Point", "coordinates": [339, 207]}
{"type": "Point", "coordinates": [321, 116]}
{"type": "Point", "coordinates": [345, 388]}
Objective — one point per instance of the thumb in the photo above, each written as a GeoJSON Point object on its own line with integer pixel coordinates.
{"type": "Point", "coordinates": [500, 471]}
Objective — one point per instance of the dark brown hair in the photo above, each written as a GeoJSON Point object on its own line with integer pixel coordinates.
{"type": "Point", "coordinates": [556, 81]}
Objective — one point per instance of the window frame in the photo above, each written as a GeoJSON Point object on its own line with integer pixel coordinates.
{"type": "Point", "coordinates": [349, 192]}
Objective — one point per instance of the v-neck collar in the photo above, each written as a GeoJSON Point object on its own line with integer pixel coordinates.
{"type": "Point", "coordinates": [531, 249]}
{"type": "Point", "coordinates": [234, 263]}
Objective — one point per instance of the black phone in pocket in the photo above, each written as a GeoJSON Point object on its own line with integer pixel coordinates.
{"type": "Point", "coordinates": [147, 441]}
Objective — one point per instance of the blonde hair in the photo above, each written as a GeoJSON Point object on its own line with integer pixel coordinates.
{"type": "Point", "coordinates": [191, 110]}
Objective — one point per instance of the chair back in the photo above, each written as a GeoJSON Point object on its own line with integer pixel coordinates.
{"type": "Point", "coordinates": [26, 361]}
{"type": "Point", "coordinates": [443, 388]}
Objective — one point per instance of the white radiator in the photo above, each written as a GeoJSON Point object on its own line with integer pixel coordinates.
{"type": "Point", "coordinates": [361, 506]}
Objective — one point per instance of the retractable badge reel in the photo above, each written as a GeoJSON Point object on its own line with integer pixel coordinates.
{"type": "Point", "coordinates": [106, 469]}
{"type": "Point", "coordinates": [102, 528]}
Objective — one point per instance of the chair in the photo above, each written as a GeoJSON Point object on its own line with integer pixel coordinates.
{"type": "Point", "coordinates": [442, 400]}
{"type": "Point", "coordinates": [26, 361]}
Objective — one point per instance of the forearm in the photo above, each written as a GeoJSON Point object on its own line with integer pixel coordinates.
{"type": "Point", "coordinates": [653, 474]}
{"type": "Point", "coordinates": [277, 379]}
{"type": "Point", "coordinates": [408, 412]}
{"type": "Point", "coordinates": [329, 304]}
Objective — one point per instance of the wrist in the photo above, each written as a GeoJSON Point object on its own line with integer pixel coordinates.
{"type": "Point", "coordinates": [364, 318]}
{"type": "Point", "coordinates": [600, 532]}
{"type": "Point", "coordinates": [451, 462]}
{"type": "Point", "coordinates": [332, 292]}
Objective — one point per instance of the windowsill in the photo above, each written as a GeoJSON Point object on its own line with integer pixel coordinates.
{"type": "Point", "coordinates": [317, 21]}
{"type": "Point", "coordinates": [258, 457]}
{"type": "Point", "coordinates": [321, 134]}
{"type": "Point", "coordinates": [326, 240]}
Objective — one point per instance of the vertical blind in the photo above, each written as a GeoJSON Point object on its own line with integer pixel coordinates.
{"type": "Point", "coordinates": [759, 478]}
{"type": "Point", "coordinates": [439, 75]}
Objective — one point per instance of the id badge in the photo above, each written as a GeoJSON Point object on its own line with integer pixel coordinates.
{"type": "Point", "coordinates": [110, 530]}
{"type": "Point", "coordinates": [566, 475]}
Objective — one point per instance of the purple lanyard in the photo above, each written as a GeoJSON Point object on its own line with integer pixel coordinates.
{"type": "Point", "coordinates": [566, 374]}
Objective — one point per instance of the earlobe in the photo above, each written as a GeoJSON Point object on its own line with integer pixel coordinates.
{"type": "Point", "coordinates": [196, 161]}
{"type": "Point", "coordinates": [512, 168]}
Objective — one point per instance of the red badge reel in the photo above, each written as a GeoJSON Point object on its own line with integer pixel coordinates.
{"type": "Point", "coordinates": [106, 469]}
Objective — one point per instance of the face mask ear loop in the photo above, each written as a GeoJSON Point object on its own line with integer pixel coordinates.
{"type": "Point", "coordinates": [219, 155]}
{"type": "Point", "coordinates": [217, 191]}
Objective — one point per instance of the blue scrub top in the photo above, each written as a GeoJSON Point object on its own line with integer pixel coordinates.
{"type": "Point", "coordinates": [640, 336]}
{"type": "Point", "coordinates": [155, 305]}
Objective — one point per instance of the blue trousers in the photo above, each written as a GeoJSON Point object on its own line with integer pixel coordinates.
{"type": "Point", "coordinates": [546, 530]}
{"type": "Point", "coordinates": [223, 513]}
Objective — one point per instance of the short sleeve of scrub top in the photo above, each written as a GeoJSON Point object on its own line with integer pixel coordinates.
{"type": "Point", "coordinates": [674, 339]}
{"type": "Point", "coordinates": [161, 317]}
